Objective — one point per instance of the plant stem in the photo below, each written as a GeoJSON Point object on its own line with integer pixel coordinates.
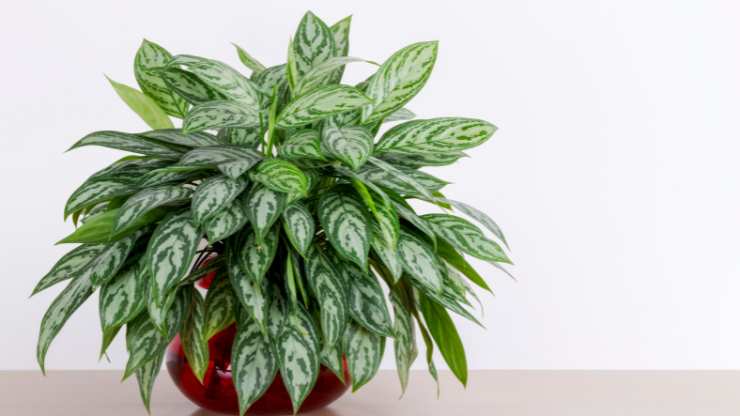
{"type": "Point", "coordinates": [271, 122]}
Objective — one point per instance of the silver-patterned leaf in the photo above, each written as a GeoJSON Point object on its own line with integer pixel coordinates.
{"type": "Point", "coordinates": [147, 200]}
{"type": "Point", "coordinates": [160, 177]}
{"type": "Point", "coordinates": [421, 160]}
{"type": "Point", "coordinates": [481, 217]}
{"type": "Point", "coordinates": [298, 352]}
{"type": "Point", "coordinates": [264, 207]}
{"type": "Point", "coordinates": [69, 266]}
{"type": "Point", "coordinates": [143, 342]}
{"type": "Point", "coordinates": [146, 375]}
{"type": "Point", "coordinates": [321, 103]}
{"type": "Point", "coordinates": [227, 222]}
{"type": "Point", "coordinates": [299, 226]}
{"type": "Point", "coordinates": [346, 225]}
{"type": "Point", "coordinates": [274, 76]}
{"type": "Point", "coordinates": [110, 260]}
{"type": "Point", "coordinates": [332, 359]}
{"type": "Point", "coordinates": [193, 336]}
{"type": "Point", "coordinates": [248, 60]}
{"type": "Point", "coordinates": [121, 300]}
{"type": "Point", "coordinates": [442, 135]}
{"type": "Point", "coordinates": [312, 44]}
{"type": "Point", "coordinates": [220, 114]}
{"type": "Point", "coordinates": [170, 253]}
{"type": "Point", "coordinates": [323, 73]}
{"type": "Point", "coordinates": [403, 181]}
{"type": "Point", "coordinates": [388, 224]}
{"type": "Point", "coordinates": [213, 195]}
{"type": "Point", "coordinates": [232, 161]}
{"type": "Point", "coordinates": [276, 313]}
{"type": "Point", "coordinates": [251, 293]}
{"type": "Point", "coordinates": [220, 306]}
{"type": "Point", "coordinates": [253, 363]}
{"type": "Point", "coordinates": [94, 192]}
{"type": "Point", "coordinates": [407, 213]}
{"type": "Point", "coordinates": [367, 303]}
{"type": "Point", "coordinates": [248, 137]}
{"type": "Point", "coordinates": [399, 79]}
{"type": "Point", "coordinates": [178, 137]}
{"type": "Point", "coordinates": [129, 143]}
{"type": "Point", "coordinates": [331, 294]}
{"type": "Point", "coordinates": [340, 31]}
{"type": "Point", "coordinates": [256, 257]}
{"type": "Point", "coordinates": [188, 86]}
{"type": "Point", "coordinates": [388, 255]}
{"type": "Point", "coordinates": [149, 58]}
{"type": "Point", "coordinates": [222, 78]}
{"type": "Point", "coordinates": [404, 341]}
{"type": "Point", "coordinates": [305, 144]}
{"type": "Point", "coordinates": [141, 104]}
{"type": "Point", "coordinates": [420, 262]}
{"type": "Point", "coordinates": [402, 114]}
{"type": "Point", "coordinates": [364, 352]}
{"type": "Point", "coordinates": [466, 237]}
{"type": "Point", "coordinates": [351, 144]}
{"type": "Point", "coordinates": [281, 175]}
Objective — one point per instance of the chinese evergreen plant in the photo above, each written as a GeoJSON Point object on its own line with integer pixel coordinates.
{"type": "Point", "coordinates": [276, 179]}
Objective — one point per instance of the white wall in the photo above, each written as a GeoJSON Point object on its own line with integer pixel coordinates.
{"type": "Point", "coordinates": [614, 171]}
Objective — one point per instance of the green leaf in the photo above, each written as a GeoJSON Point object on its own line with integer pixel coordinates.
{"type": "Point", "coordinates": [302, 145]}
{"type": "Point", "coordinates": [435, 136]}
{"type": "Point", "coordinates": [264, 207]}
{"type": "Point", "coordinates": [99, 227]}
{"type": "Point", "coordinates": [142, 105]}
{"type": "Point", "coordinates": [143, 342]}
{"type": "Point", "coordinates": [403, 181]}
{"type": "Point", "coordinates": [332, 358]}
{"type": "Point", "coordinates": [128, 142]}
{"type": "Point", "coordinates": [456, 260]}
{"type": "Point", "coordinates": [270, 78]}
{"type": "Point", "coordinates": [351, 145]}
{"type": "Point", "coordinates": [420, 262]}
{"type": "Point", "coordinates": [407, 213]}
{"type": "Point", "coordinates": [248, 60]}
{"type": "Point", "coordinates": [402, 114]}
{"type": "Point", "coordinates": [346, 226]}
{"type": "Point", "coordinates": [149, 58]}
{"type": "Point", "coordinates": [220, 306]}
{"type": "Point", "coordinates": [169, 254]}
{"type": "Point", "coordinates": [248, 137]}
{"type": "Point", "coordinates": [388, 255]}
{"type": "Point", "coordinates": [178, 137]}
{"type": "Point", "coordinates": [121, 300]}
{"type": "Point", "coordinates": [445, 335]}
{"type": "Point", "coordinates": [69, 266]}
{"type": "Point", "coordinates": [312, 44]}
{"type": "Point", "coordinates": [320, 103]}
{"type": "Point", "coordinates": [330, 292]}
{"type": "Point", "coordinates": [220, 114]}
{"type": "Point", "coordinates": [399, 79]}
{"type": "Point", "coordinates": [388, 225]}
{"type": "Point", "coordinates": [147, 200]}
{"type": "Point", "coordinates": [298, 352]}
{"type": "Point", "coordinates": [281, 176]}
{"type": "Point", "coordinates": [256, 257]}
{"type": "Point", "coordinates": [404, 341]}
{"type": "Point", "coordinates": [188, 86]}
{"type": "Point", "coordinates": [232, 161]}
{"type": "Point", "coordinates": [299, 226]}
{"type": "Point", "coordinates": [481, 217]}
{"type": "Point", "coordinates": [253, 364]}
{"type": "Point", "coordinates": [94, 192]}
{"type": "Point", "coordinates": [466, 237]}
{"type": "Point", "coordinates": [226, 222]}
{"type": "Point", "coordinates": [213, 195]}
{"type": "Point", "coordinates": [193, 336]}
{"type": "Point", "coordinates": [420, 160]}
{"type": "Point", "coordinates": [323, 73]}
{"type": "Point", "coordinates": [250, 292]}
{"type": "Point", "coordinates": [366, 301]}
{"type": "Point", "coordinates": [146, 375]}
{"type": "Point", "coordinates": [63, 306]}
{"type": "Point", "coordinates": [110, 260]}
{"type": "Point", "coordinates": [222, 78]}
{"type": "Point", "coordinates": [340, 32]}
{"type": "Point", "coordinates": [364, 352]}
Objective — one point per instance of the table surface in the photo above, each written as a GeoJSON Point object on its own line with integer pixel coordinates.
{"type": "Point", "coordinates": [572, 393]}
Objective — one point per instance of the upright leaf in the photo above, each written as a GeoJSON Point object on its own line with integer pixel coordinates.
{"type": "Point", "coordinates": [340, 31]}
{"type": "Point", "coordinates": [320, 103]}
{"type": "Point", "coordinates": [364, 352]}
{"type": "Point", "coordinates": [352, 145]}
{"type": "Point", "coordinates": [248, 60]}
{"type": "Point", "coordinates": [149, 58]}
{"type": "Point", "coordinates": [298, 352]}
{"type": "Point", "coordinates": [222, 78]}
{"type": "Point", "coordinates": [302, 145]}
{"type": "Point", "coordinates": [213, 195]}
{"type": "Point", "coordinates": [188, 86]}
{"type": "Point", "coordinates": [142, 105]}
{"type": "Point", "coordinates": [313, 44]}
{"type": "Point", "coordinates": [264, 207]}
{"type": "Point", "coordinates": [253, 363]}
{"type": "Point", "coordinates": [346, 226]}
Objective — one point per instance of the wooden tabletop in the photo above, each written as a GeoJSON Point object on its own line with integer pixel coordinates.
{"type": "Point", "coordinates": [509, 393]}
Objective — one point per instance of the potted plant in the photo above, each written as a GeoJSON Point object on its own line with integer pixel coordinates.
{"type": "Point", "coordinates": [276, 196]}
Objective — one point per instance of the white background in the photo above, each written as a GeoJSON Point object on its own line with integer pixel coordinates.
{"type": "Point", "coordinates": [614, 172]}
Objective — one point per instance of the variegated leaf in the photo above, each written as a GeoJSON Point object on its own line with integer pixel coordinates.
{"type": "Point", "coordinates": [421, 160]}
{"type": "Point", "coordinates": [93, 192]}
{"type": "Point", "coordinates": [280, 175]}
{"type": "Point", "coordinates": [248, 60]}
{"type": "Point", "coordinates": [121, 300]}
{"type": "Point", "coordinates": [340, 31]}
{"type": "Point", "coordinates": [298, 355]}
{"type": "Point", "coordinates": [366, 301]}
{"type": "Point", "coordinates": [220, 306]}
{"type": "Point", "coordinates": [188, 86]}
{"type": "Point", "coordinates": [276, 313]}
{"type": "Point", "coordinates": [407, 213]}
{"type": "Point", "coordinates": [364, 352]}
{"type": "Point", "coordinates": [388, 224]}
{"type": "Point", "coordinates": [170, 253]}
{"type": "Point", "coordinates": [264, 207]}
{"type": "Point", "coordinates": [253, 363]}
{"type": "Point", "coordinates": [401, 180]}
{"type": "Point", "coordinates": [256, 257]}
{"type": "Point", "coordinates": [312, 44]}
{"type": "Point", "coordinates": [146, 375]}
{"type": "Point", "coordinates": [193, 336]}
{"type": "Point", "coordinates": [142, 105]}
{"type": "Point", "coordinates": [69, 266]}
{"type": "Point", "coordinates": [220, 114]}
{"type": "Point", "coordinates": [161, 177]}
{"type": "Point", "coordinates": [232, 161]}
{"type": "Point", "coordinates": [402, 114]}
{"type": "Point", "coordinates": [456, 260]}
{"type": "Point", "coordinates": [143, 342]}
{"type": "Point", "coordinates": [443, 135]}
{"type": "Point", "coordinates": [63, 306]}
{"type": "Point", "coordinates": [147, 200]}
{"type": "Point", "coordinates": [481, 217]}
{"type": "Point", "coordinates": [302, 145]}
{"type": "Point", "coordinates": [299, 226]}
{"type": "Point", "coordinates": [323, 73]}
{"type": "Point", "coordinates": [399, 79]}
{"type": "Point", "coordinates": [222, 78]}
{"type": "Point", "coordinates": [128, 142]}
{"type": "Point", "coordinates": [420, 262]}
{"type": "Point", "coordinates": [248, 137]}
{"type": "Point", "coordinates": [110, 260]}
{"type": "Point", "coordinates": [454, 302]}
{"type": "Point", "coordinates": [159, 310]}
{"type": "Point", "coordinates": [274, 76]}
{"type": "Point", "coordinates": [330, 292]}
{"type": "Point", "coordinates": [149, 58]}
{"type": "Point", "coordinates": [466, 237]}
{"type": "Point", "coordinates": [388, 255]}
{"type": "Point", "coordinates": [227, 222]}
{"type": "Point", "coordinates": [346, 225]}
{"type": "Point", "coordinates": [251, 293]}
{"type": "Point", "coordinates": [320, 103]}
{"type": "Point", "coordinates": [213, 195]}
{"type": "Point", "coordinates": [351, 145]}
{"type": "Point", "coordinates": [178, 137]}
{"type": "Point", "coordinates": [404, 341]}
{"type": "Point", "coordinates": [129, 168]}
{"type": "Point", "coordinates": [332, 359]}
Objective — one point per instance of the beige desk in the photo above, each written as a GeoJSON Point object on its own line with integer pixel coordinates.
{"type": "Point", "coordinates": [509, 393]}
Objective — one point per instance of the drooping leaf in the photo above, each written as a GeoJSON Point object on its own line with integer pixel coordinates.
{"type": "Point", "coordinates": [98, 228]}
{"type": "Point", "coordinates": [121, 300]}
{"type": "Point", "coordinates": [299, 226]}
{"type": "Point", "coordinates": [330, 292]}
{"type": "Point", "coordinates": [456, 260]}
{"type": "Point", "coordinates": [281, 176]}
{"type": "Point", "coordinates": [404, 341]}
{"type": "Point", "coordinates": [226, 222]}
{"type": "Point", "coordinates": [346, 226]}
{"type": "Point", "coordinates": [213, 195]}
{"type": "Point", "coordinates": [420, 262]}
{"type": "Point", "coordinates": [146, 375]}
{"type": "Point", "coordinates": [94, 192]}
{"type": "Point", "coordinates": [443, 135]}
{"type": "Point", "coordinates": [399, 79]}
{"type": "Point", "coordinates": [256, 257]}
{"type": "Point", "coordinates": [220, 306]}
{"type": "Point", "coordinates": [407, 213]}
{"type": "Point", "coordinates": [481, 217]}
{"type": "Point", "coordinates": [147, 200]}
{"type": "Point", "coordinates": [388, 227]}
{"type": "Point", "coordinates": [351, 145]}
{"type": "Point", "coordinates": [366, 301]}
{"type": "Point", "coordinates": [253, 364]}
{"type": "Point", "coordinates": [232, 161]}
{"type": "Point", "coordinates": [388, 255]}
{"type": "Point", "coordinates": [251, 293]}
{"type": "Point", "coordinates": [333, 359]}
{"type": "Point", "coordinates": [312, 44]}
{"type": "Point", "coordinates": [142, 105]}
{"type": "Point", "coordinates": [298, 352]}
{"type": "Point", "coordinates": [178, 137]}
{"type": "Point", "coordinates": [248, 60]}
{"type": "Point", "coordinates": [128, 142]}
{"type": "Point", "coordinates": [466, 237]}
{"type": "Point", "coordinates": [69, 266]}
{"type": "Point", "coordinates": [446, 337]}
{"type": "Point", "coordinates": [264, 207]}
{"type": "Point", "coordinates": [193, 336]}
{"type": "Point", "coordinates": [364, 352]}
{"type": "Point", "coordinates": [220, 114]}
{"type": "Point", "coordinates": [402, 114]}
{"type": "Point", "coordinates": [320, 103]}
{"type": "Point", "coordinates": [222, 78]}
{"type": "Point", "coordinates": [303, 145]}
{"type": "Point", "coordinates": [149, 58]}
{"type": "Point", "coordinates": [110, 260]}
{"type": "Point", "coordinates": [143, 342]}
{"type": "Point", "coordinates": [402, 181]}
